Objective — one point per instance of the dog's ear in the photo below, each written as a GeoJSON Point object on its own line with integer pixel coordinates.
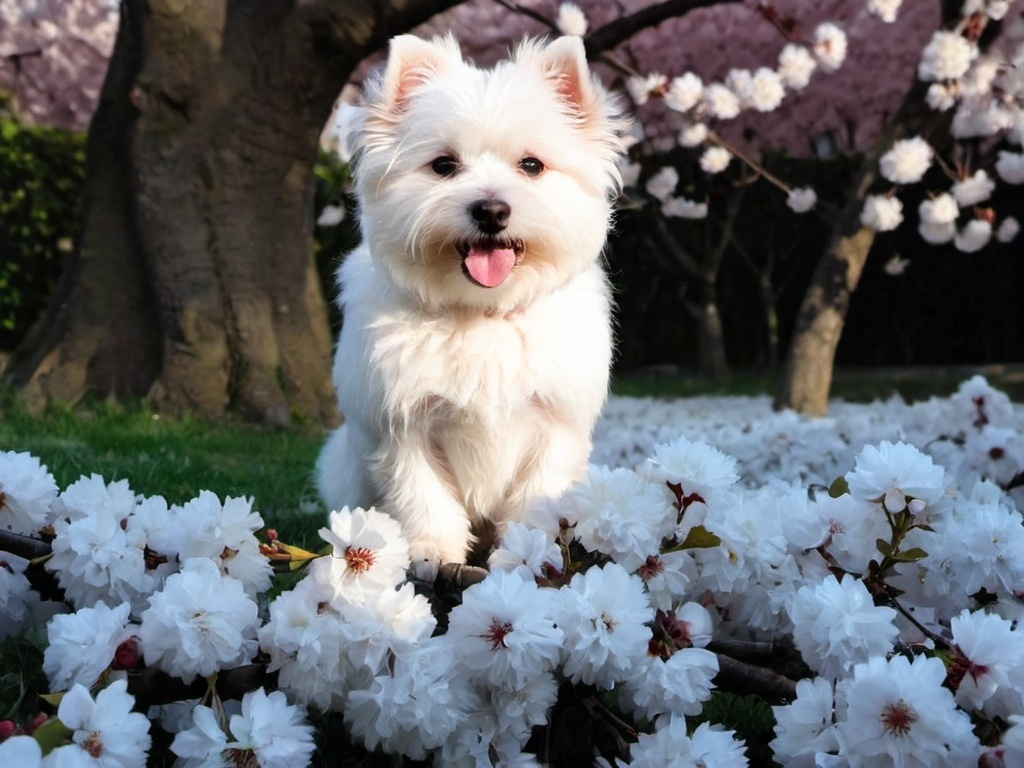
{"type": "Point", "coordinates": [565, 61]}
{"type": "Point", "coordinates": [412, 62]}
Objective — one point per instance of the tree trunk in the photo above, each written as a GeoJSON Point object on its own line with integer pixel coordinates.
{"type": "Point", "coordinates": [807, 377]}
{"type": "Point", "coordinates": [711, 360]}
{"type": "Point", "coordinates": [192, 280]}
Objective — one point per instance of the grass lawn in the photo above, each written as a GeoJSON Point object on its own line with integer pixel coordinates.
{"type": "Point", "coordinates": [176, 458]}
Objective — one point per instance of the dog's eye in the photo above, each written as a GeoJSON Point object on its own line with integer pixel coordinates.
{"type": "Point", "coordinates": [531, 166]}
{"type": "Point", "coordinates": [445, 165]}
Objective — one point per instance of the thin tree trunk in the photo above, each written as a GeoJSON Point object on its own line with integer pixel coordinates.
{"type": "Point", "coordinates": [807, 378]}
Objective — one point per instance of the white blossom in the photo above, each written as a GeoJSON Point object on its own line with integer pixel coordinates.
{"type": "Point", "coordinates": [95, 555]}
{"type": "Point", "coordinates": [368, 554]}
{"type": "Point", "coordinates": [882, 213]}
{"type": "Point", "coordinates": [670, 745]}
{"type": "Point", "coordinates": [838, 625]}
{"type": "Point", "coordinates": [973, 189]}
{"type": "Point", "coordinates": [603, 613]}
{"type": "Point", "coordinates": [987, 649]}
{"type": "Point", "coordinates": [947, 56]}
{"type": "Point", "coordinates": [897, 711]}
{"type": "Point", "coordinates": [504, 631]}
{"type": "Point", "coordinates": [895, 475]}
{"type": "Point", "coordinates": [973, 236]}
{"type": "Point", "coordinates": [16, 595]}
{"type": "Point", "coordinates": [796, 65]}
{"type": "Point", "coordinates": [801, 199]}
{"type": "Point", "coordinates": [93, 496]}
{"type": "Point", "coordinates": [630, 172]}
{"type": "Point", "coordinates": [525, 550]}
{"type": "Point", "coordinates": [886, 10]}
{"type": "Point", "coordinates": [830, 46]}
{"type": "Point", "coordinates": [275, 731]}
{"type": "Point", "coordinates": [804, 728]}
{"type": "Point", "coordinates": [942, 96]}
{"type": "Point", "coordinates": [766, 90]}
{"type": "Point", "coordinates": [677, 685]}
{"type": "Point", "coordinates": [415, 707]}
{"type": "Point", "coordinates": [941, 209]}
{"type": "Point", "coordinates": [715, 160]}
{"type": "Point", "coordinates": [27, 491]}
{"type": "Point", "coordinates": [720, 102]}
{"type": "Point", "coordinates": [81, 645]}
{"type": "Point", "coordinates": [684, 208]}
{"type": "Point", "coordinates": [1010, 167]}
{"type": "Point", "coordinates": [621, 514]}
{"type": "Point", "coordinates": [331, 216]}
{"type": "Point", "coordinates": [907, 161]}
{"type": "Point", "coordinates": [305, 639]}
{"type": "Point", "coordinates": [684, 92]}
{"type": "Point", "coordinates": [1007, 230]}
{"type": "Point", "coordinates": [641, 88]}
{"type": "Point", "coordinates": [106, 727]}
{"type": "Point", "coordinates": [21, 751]}
{"type": "Point", "coordinates": [663, 183]}
{"type": "Point", "coordinates": [224, 533]}
{"type": "Point", "coordinates": [389, 622]}
{"type": "Point", "coordinates": [692, 134]}
{"type": "Point", "coordinates": [696, 467]}
{"type": "Point", "coordinates": [668, 577]}
{"type": "Point", "coordinates": [200, 622]}
{"type": "Point", "coordinates": [936, 234]}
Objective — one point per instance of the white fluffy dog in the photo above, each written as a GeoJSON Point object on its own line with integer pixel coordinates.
{"type": "Point", "coordinates": [475, 347]}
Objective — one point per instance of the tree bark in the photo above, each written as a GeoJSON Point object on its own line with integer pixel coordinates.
{"type": "Point", "coordinates": [807, 377]}
{"type": "Point", "coordinates": [192, 280]}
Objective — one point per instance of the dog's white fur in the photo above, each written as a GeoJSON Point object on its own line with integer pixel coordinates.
{"type": "Point", "coordinates": [463, 402]}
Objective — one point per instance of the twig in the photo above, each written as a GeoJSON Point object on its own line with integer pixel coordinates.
{"type": "Point", "coordinates": [152, 687]}
{"type": "Point", "coordinates": [740, 677]}
{"type": "Point", "coordinates": [615, 32]}
{"type": "Point", "coordinates": [714, 138]}
{"type": "Point", "coordinates": [23, 546]}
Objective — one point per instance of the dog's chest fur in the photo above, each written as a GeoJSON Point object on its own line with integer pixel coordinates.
{"type": "Point", "coordinates": [485, 394]}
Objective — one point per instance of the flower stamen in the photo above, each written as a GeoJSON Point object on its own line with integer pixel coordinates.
{"type": "Point", "coordinates": [359, 559]}
{"type": "Point", "coordinates": [898, 718]}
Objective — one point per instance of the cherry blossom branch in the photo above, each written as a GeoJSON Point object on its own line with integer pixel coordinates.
{"type": "Point", "coordinates": [739, 677]}
{"type": "Point", "coordinates": [715, 138]}
{"type": "Point", "coordinates": [616, 32]}
{"type": "Point", "coordinates": [26, 547]}
{"type": "Point", "coordinates": [153, 687]}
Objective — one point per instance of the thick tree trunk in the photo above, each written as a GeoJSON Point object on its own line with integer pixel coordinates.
{"type": "Point", "coordinates": [192, 281]}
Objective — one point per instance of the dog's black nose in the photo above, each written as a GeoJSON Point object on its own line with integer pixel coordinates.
{"type": "Point", "coordinates": [491, 216]}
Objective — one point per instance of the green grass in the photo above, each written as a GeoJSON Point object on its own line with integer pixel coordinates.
{"type": "Point", "coordinates": [176, 458]}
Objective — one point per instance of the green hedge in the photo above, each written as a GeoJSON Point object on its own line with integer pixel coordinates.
{"type": "Point", "coordinates": [41, 171]}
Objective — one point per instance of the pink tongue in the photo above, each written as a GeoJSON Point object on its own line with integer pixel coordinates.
{"type": "Point", "coordinates": [489, 267]}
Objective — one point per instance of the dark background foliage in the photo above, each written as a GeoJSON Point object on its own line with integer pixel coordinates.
{"type": "Point", "coordinates": [41, 172]}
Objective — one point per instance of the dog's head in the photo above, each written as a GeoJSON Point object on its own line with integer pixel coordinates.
{"type": "Point", "coordinates": [486, 188]}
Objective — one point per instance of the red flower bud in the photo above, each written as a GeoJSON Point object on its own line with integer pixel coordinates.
{"type": "Point", "coordinates": [128, 655]}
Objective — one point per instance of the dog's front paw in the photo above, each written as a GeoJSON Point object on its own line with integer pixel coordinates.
{"type": "Point", "coordinates": [427, 555]}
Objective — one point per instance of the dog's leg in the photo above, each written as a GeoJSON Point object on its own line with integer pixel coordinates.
{"type": "Point", "coordinates": [341, 474]}
{"type": "Point", "coordinates": [418, 491]}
